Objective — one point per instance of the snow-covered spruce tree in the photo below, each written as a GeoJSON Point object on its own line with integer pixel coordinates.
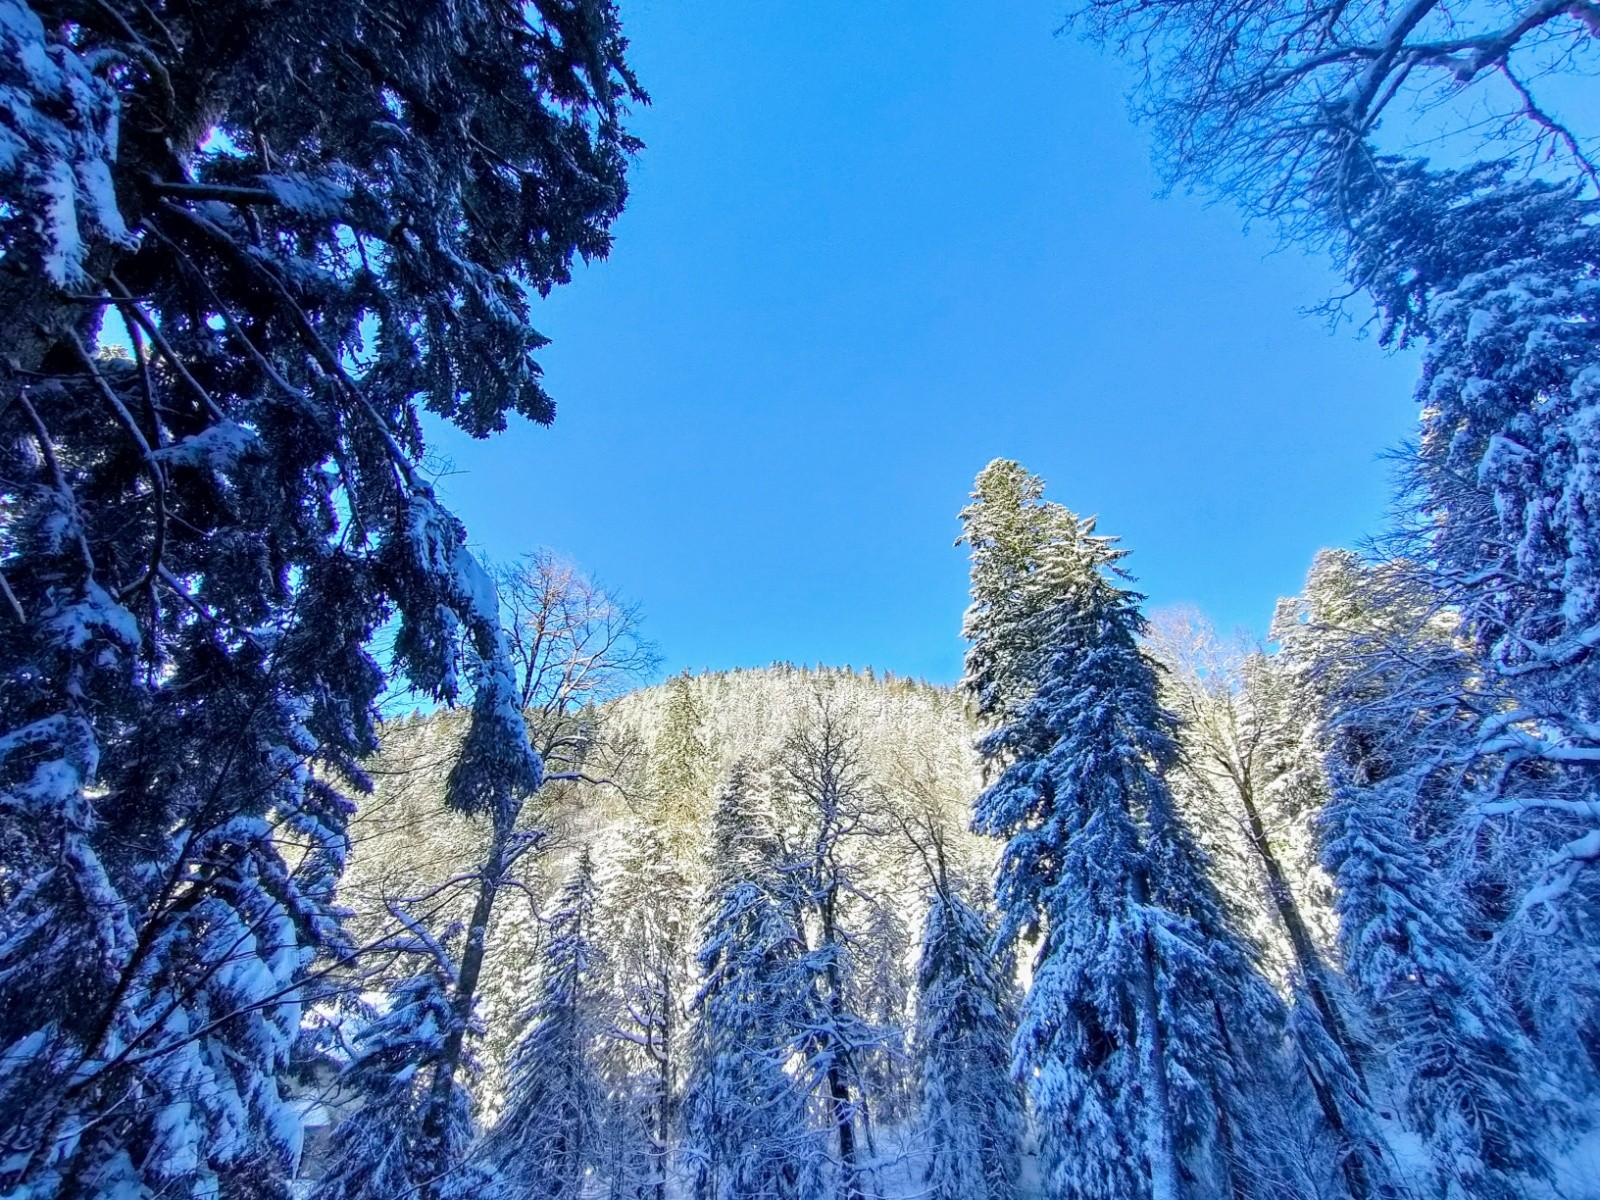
{"type": "Point", "coordinates": [1148, 1038]}
{"type": "Point", "coordinates": [1498, 277]}
{"type": "Point", "coordinates": [750, 1132]}
{"type": "Point", "coordinates": [648, 927]}
{"type": "Point", "coordinates": [652, 893]}
{"type": "Point", "coordinates": [881, 993]}
{"type": "Point", "coordinates": [386, 1146]}
{"type": "Point", "coordinates": [312, 221]}
{"type": "Point", "coordinates": [971, 1119]}
{"type": "Point", "coordinates": [547, 1138]}
{"type": "Point", "coordinates": [1417, 913]}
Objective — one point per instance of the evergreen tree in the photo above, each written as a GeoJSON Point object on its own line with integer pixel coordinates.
{"type": "Point", "coordinates": [882, 994]}
{"type": "Point", "coordinates": [1145, 1003]}
{"type": "Point", "coordinates": [971, 1109]}
{"type": "Point", "coordinates": [384, 1148]}
{"type": "Point", "coordinates": [1399, 741]}
{"type": "Point", "coordinates": [311, 222]}
{"type": "Point", "coordinates": [659, 897]}
{"type": "Point", "coordinates": [549, 1135]}
{"type": "Point", "coordinates": [750, 1134]}
{"type": "Point", "coordinates": [648, 923]}
{"type": "Point", "coordinates": [1498, 278]}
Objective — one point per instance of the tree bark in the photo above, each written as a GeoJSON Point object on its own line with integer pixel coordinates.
{"type": "Point", "coordinates": [1314, 970]}
{"type": "Point", "coordinates": [473, 953]}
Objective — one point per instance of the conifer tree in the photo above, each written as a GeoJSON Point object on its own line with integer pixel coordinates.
{"type": "Point", "coordinates": [882, 994]}
{"type": "Point", "coordinates": [649, 925]}
{"type": "Point", "coordinates": [1399, 740]}
{"type": "Point", "coordinates": [750, 1135]}
{"type": "Point", "coordinates": [311, 222]}
{"type": "Point", "coordinates": [971, 1116]}
{"type": "Point", "coordinates": [549, 1133]}
{"type": "Point", "coordinates": [1144, 1002]}
{"type": "Point", "coordinates": [1498, 278]}
{"type": "Point", "coordinates": [385, 1147]}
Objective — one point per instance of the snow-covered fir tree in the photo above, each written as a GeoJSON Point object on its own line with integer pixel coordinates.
{"type": "Point", "coordinates": [1498, 278]}
{"type": "Point", "coordinates": [1398, 837]}
{"type": "Point", "coordinates": [750, 1131]}
{"type": "Point", "coordinates": [1149, 1040]}
{"type": "Point", "coordinates": [205, 529]}
{"type": "Point", "coordinates": [881, 992]}
{"type": "Point", "coordinates": [387, 1146]}
{"type": "Point", "coordinates": [548, 1138]}
{"type": "Point", "coordinates": [653, 885]}
{"type": "Point", "coordinates": [971, 1111]}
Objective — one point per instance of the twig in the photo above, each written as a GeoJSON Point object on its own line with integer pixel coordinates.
{"type": "Point", "coordinates": [130, 308]}
{"type": "Point", "coordinates": [158, 478]}
{"type": "Point", "coordinates": [47, 449]}
{"type": "Point", "coordinates": [11, 598]}
{"type": "Point", "coordinates": [1550, 125]}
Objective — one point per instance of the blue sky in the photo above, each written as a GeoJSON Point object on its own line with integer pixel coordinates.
{"type": "Point", "coordinates": [870, 247]}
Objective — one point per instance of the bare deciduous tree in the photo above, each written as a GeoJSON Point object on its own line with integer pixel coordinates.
{"type": "Point", "coordinates": [573, 643]}
{"type": "Point", "coordinates": [1280, 102]}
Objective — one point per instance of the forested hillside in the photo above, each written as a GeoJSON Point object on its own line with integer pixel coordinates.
{"type": "Point", "coordinates": [660, 756]}
{"type": "Point", "coordinates": [859, 791]}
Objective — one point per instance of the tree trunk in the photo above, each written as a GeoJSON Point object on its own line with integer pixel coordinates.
{"type": "Point", "coordinates": [664, 1081]}
{"type": "Point", "coordinates": [1307, 957]}
{"type": "Point", "coordinates": [844, 1121]}
{"type": "Point", "coordinates": [1314, 970]}
{"type": "Point", "coordinates": [434, 1125]}
{"type": "Point", "coordinates": [838, 1089]}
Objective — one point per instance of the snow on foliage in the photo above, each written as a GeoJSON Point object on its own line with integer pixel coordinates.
{"type": "Point", "coordinates": [205, 528]}
{"type": "Point", "coordinates": [1151, 1045]}
{"type": "Point", "coordinates": [58, 141]}
{"type": "Point", "coordinates": [971, 1116]}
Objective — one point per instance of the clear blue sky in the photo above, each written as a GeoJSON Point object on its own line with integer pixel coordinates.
{"type": "Point", "coordinates": [870, 247]}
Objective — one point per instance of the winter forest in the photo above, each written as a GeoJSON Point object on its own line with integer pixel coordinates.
{"type": "Point", "coordinates": [340, 862]}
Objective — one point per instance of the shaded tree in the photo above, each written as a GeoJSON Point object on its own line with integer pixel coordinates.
{"type": "Point", "coordinates": [971, 1116]}
{"type": "Point", "coordinates": [555, 1112]}
{"type": "Point", "coordinates": [750, 1135]}
{"type": "Point", "coordinates": [311, 222]}
{"type": "Point", "coordinates": [1397, 695]}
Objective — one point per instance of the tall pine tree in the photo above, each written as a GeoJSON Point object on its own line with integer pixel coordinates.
{"type": "Point", "coordinates": [1397, 695]}
{"type": "Point", "coordinates": [971, 1116]}
{"type": "Point", "coordinates": [1147, 1036]}
{"type": "Point", "coordinates": [750, 1132]}
{"type": "Point", "coordinates": [386, 1146]}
